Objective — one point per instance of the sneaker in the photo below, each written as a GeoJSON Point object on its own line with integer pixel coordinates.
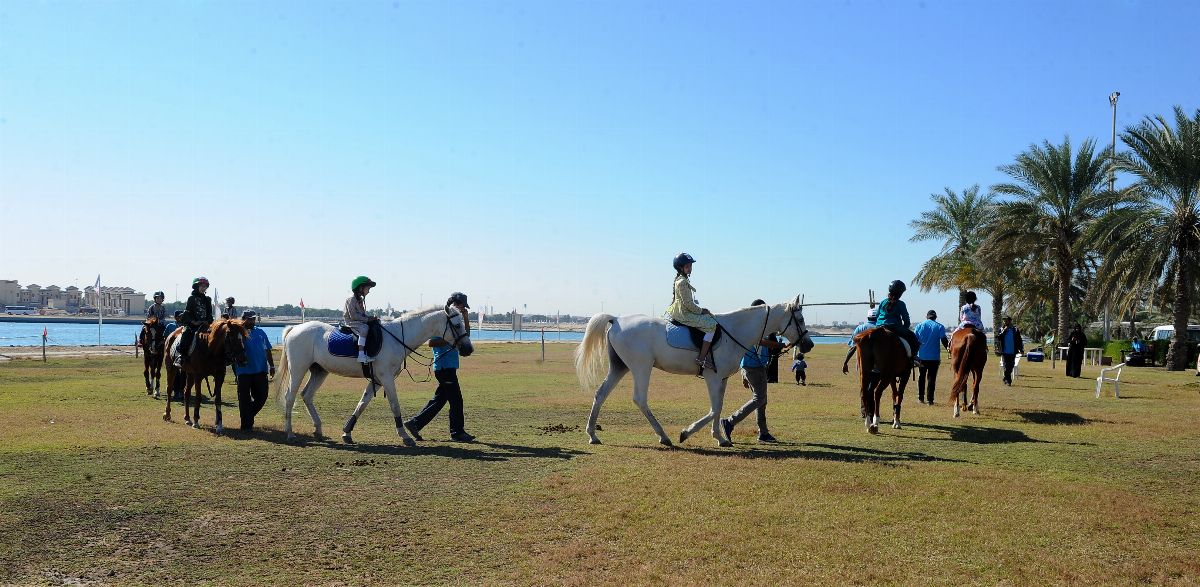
{"type": "Point", "coordinates": [461, 437]}
{"type": "Point", "coordinates": [414, 432]}
{"type": "Point", "coordinates": [727, 426]}
{"type": "Point", "coordinates": [362, 357]}
{"type": "Point", "coordinates": [766, 437]}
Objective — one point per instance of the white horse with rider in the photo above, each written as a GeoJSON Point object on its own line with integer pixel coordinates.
{"type": "Point", "coordinates": [637, 344]}
{"type": "Point", "coordinates": [306, 351]}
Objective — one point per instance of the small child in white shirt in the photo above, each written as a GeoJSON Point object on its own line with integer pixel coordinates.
{"type": "Point", "coordinates": [799, 365]}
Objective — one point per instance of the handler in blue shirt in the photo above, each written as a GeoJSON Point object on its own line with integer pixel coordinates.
{"type": "Point", "coordinates": [252, 376]}
{"type": "Point", "coordinates": [445, 369]}
{"type": "Point", "coordinates": [754, 375]}
{"type": "Point", "coordinates": [930, 333]}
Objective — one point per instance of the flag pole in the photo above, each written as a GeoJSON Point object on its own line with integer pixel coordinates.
{"type": "Point", "coordinates": [99, 309]}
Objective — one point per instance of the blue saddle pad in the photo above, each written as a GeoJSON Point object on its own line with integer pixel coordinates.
{"type": "Point", "coordinates": [342, 345]}
{"type": "Point", "coordinates": [680, 337]}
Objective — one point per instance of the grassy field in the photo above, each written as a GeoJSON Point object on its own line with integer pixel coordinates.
{"type": "Point", "coordinates": [1047, 486]}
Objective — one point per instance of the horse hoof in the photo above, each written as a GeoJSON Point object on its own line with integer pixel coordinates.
{"type": "Point", "coordinates": [895, 425]}
{"type": "Point", "coordinates": [409, 442]}
{"type": "Point", "coordinates": [346, 438]}
{"type": "Point", "coordinates": [156, 396]}
{"type": "Point", "coordinates": [682, 437]}
{"type": "Point", "coordinates": [724, 443]}
{"type": "Point", "coordinates": [665, 442]}
{"type": "Point", "coordinates": [166, 417]}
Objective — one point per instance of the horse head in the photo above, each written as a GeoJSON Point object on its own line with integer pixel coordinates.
{"type": "Point", "coordinates": [460, 333]}
{"type": "Point", "coordinates": [795, 329]}
{"type": "Point", "coordinates": [229, 335]}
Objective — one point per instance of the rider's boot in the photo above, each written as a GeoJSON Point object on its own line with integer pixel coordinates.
{"type": "Point", "coordinates": [362, 355]}
{"type": "Point", "coordinates": [703, 360]}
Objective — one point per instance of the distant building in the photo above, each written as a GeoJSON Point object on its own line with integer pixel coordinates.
{"type": "Point", "coordinates": [36, 296]}
{"type": "Point", "coordinates": [116, 301]}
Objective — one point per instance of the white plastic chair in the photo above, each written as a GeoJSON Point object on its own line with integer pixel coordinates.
{"type": "Point", "coordinates": [1115, 380]}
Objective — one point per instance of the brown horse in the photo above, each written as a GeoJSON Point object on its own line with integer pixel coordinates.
{"type": "Point", "coordinates": [968, 355]}
{"type": "Point", "coordinates": [152, 342]}
{"type": "Point", "coordinates": [219, 345]}
{"type": "Point", "coordinates": [882, 361]}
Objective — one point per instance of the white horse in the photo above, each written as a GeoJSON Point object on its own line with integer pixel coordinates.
{"type": "Point", "coordinates": [306, 350]}
{"type": "Point", "coordinates": [639, 344]}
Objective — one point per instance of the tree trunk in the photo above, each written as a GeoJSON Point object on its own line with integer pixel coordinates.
{"type": "Point", "coordinates": [997, 306]}
{"type": "Point", "coordinates": [962, 301]}
{"type": "Point", "coordinates": [1064, 302]}
{"type": "Point", "coordinates": [1177, 352]}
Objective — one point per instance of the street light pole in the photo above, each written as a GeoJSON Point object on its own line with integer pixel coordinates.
{"type": "Point", "coordinates": [1112, 181]}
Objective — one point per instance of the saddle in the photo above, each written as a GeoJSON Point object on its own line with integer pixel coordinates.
{"type": "Point", "coordinates": [344, 343]}
{"type": "Point", "coordinates": [682, 336]}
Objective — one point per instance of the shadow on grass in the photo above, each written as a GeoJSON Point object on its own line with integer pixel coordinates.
{"type": "Point", "coordinates": [477, 451]}
{"type": "Point", "coordinates": [978, 434]}
{"type": "Point", "coordinates": [815, 452]}
{"type": "Point", "coordinates": [1052, 417]}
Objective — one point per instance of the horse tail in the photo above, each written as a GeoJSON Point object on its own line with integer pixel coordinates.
{"type": "Point", "coordinates": [591, 353]}
{"type": "Point", "coordinates": [281, 375]}
{"type": "Point", "coordinates": [961, 362]}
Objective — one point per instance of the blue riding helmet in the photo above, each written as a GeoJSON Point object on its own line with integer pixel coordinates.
{"type": "Point", "coordinates": [682, 259]}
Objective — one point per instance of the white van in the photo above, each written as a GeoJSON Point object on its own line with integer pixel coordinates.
{"type": "Point", "coordinates": [1166, 332]}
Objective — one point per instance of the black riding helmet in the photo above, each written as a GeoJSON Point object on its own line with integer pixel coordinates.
{"type": "Point", "coordinates": [682, 259]}
{"type": "Point", "coordinates": [458, 297]}
{"type": "Point", "coordinates": [896, 287]}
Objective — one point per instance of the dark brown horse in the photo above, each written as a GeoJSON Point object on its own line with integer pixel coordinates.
{"type": "Point", "coordinates": [968, 355]}
{"type": "Point", "coordinates": [882, 361]}
{"type": "Point", "coordinates": [152, 340]}
{"type": "Point", "coordinates": [218, 346]}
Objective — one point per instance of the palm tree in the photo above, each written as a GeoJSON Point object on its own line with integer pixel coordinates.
{"type": "Point", "coordinates": [1152, 242]}
{"type": "Point", "coordinates": [957, 221]}
{"type": "Point", "coordinates": [1057, 191]}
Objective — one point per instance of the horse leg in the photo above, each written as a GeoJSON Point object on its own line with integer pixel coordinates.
{"type": "Point", "coordinates": [876, 398]}
{"type": "Point", "coordinates": [146, 375]}
{"type": "Point", "coordinates": [310, 392]}
{"type": "Point", "coordinates": [897, 399]}
{"type": "Point", "coordinates": [389, 389]}
{"type": "Point", "coordinates": [295, 376]}
{"type": "Point", "coordinates": [641, 389]}
{"type": "Point", "coordinates": [219, 380]}
{"type": "Point", "coordinates": [167, 413]}
{"type": "Point", "coordinates": [716, 397]}
{"type": "Point", "coordinates": [348, 429]}
{"type": "Point", "coordinates": [196, 406]}
{"type": "Point", "coordinates": [615, 373]}
{"type": "Point", "coordinates": [975, 393]}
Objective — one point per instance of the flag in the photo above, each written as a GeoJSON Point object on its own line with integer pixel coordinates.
{"type": "Point", "coordinates": [301, 303]}
{"type": "Point", "coordinates": [44, 333]}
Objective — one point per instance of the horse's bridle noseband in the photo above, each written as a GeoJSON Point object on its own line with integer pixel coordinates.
{"type": "Point", "coordinates": [449, 323]}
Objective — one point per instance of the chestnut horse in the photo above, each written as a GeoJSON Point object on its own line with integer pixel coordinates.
{"type": "Point", "coordinates": [219, 345]}
{"type": "Point", "coordinates": [882, 362]}
{"type": "Point", "coordinates": [968, 355]}
{"type": "Point", "coordinates": [152, 340]}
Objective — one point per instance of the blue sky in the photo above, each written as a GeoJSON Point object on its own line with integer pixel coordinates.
{"type": "Point", "coordinates": [549, 154]}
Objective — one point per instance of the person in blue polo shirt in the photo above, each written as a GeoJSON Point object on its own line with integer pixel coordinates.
{"type": "Point", "coordinates": [754, 376]}
{"type": "Point", "coordinates": [252, 375]}
{"type": "Point", "coordinates": [930, 333]}
{"type": "Point", "coordinates": [445, 369]}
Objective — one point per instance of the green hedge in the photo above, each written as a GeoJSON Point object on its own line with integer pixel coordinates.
{"type": "Point", "coordinates": [1114, 349]}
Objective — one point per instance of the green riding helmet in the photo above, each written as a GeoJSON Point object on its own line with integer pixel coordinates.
{"type": "Point", "coordinates": [197, 282]}
{"type": "Point", "coordinates": [360, 281]}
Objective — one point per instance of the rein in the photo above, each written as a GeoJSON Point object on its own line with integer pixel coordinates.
{"type": "Point", "coordinates": [412, 351]}
{"type": "Point", "coordinates": [791, 320]}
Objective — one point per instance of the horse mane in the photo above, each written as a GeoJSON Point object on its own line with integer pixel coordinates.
{"type": "Point", "coordinates": [221, 328]}
{"type": "Point", "coordinates": [151, 321]}
{"type": "Point", "coordinates": [419, 312]}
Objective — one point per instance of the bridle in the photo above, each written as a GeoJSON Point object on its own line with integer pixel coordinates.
{"type": "Point", "coordinates": [449, 328]}
{"type": "Point", "coordinates": [800, 329]}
